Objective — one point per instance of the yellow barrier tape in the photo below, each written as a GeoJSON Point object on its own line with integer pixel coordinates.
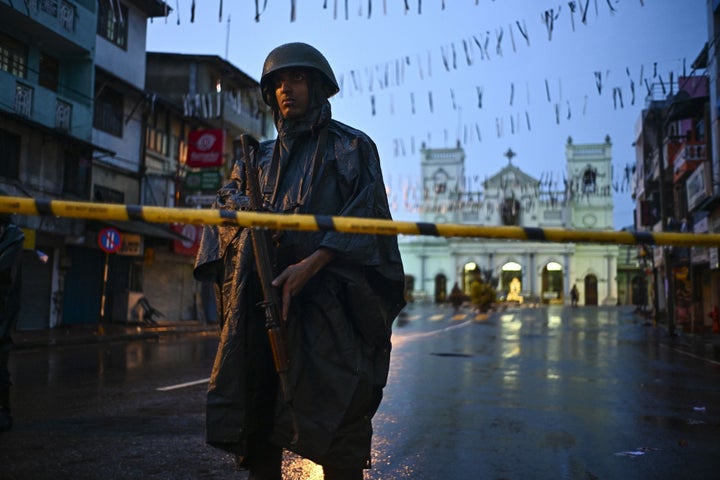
{"type": "Point", "coordinates": [274, 221]}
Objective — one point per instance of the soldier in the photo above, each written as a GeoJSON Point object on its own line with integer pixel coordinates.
{"type": "Point", "coordinates": [11, 246]}
{"type": "Point", "coordinates": [339, 293]}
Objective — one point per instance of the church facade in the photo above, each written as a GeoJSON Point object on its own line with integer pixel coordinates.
{"type": "Point", "coordinates": [537, 272]}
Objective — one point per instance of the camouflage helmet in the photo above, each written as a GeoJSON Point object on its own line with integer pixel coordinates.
{"type": "Point", "coordinates": [296, 55]}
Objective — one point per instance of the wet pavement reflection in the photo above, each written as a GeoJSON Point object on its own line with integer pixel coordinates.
{"type": "Point", "coordinates": [542, 393]}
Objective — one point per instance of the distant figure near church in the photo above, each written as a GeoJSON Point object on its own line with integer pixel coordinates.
{"type": "Point", "coordinates": [574, 295]}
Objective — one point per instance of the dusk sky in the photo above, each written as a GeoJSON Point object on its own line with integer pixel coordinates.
{"type": "Point", "coordinates": [491, 74]}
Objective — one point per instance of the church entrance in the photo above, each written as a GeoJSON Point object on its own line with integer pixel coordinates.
{"type": "Point", "coordinates": [511, 282]}
{"type": "Point", "coordinates": [440, 288]}
{"type": "Point", "coordinates": [591, 291]}
{"type": "Point", "coordinates": [552, 283]}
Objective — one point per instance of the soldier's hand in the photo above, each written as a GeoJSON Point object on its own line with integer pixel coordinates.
{"type": "Point", "coordinates": [294, 277]}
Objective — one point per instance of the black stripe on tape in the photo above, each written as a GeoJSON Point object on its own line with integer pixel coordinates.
{"type": "Point", "coordinates": [229, 215]}
{"type": "Point", "coordinates": [534, 233]}
{"type": "Point", "coordinates": [325, 223]}
{"type": "Point", "coordinates": [427, 229]}
{"type": "Point", "coordinates": [646, 238]}
{"type": "Point", "coordinates": [134, 212]}
{"type": "Point", "coordinates": [43, 207]}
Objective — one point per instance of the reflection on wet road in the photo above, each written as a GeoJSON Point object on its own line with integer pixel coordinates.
{"type": "Point", "coordinates": [541, 393]}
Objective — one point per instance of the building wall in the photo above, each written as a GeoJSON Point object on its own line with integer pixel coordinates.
{"type": "Point", "coordinates": [129, 63]}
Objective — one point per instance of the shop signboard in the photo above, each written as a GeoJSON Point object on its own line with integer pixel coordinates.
{"type": "Point", "coordinates": [205, 148]}
{"type": "Point", "coordinates": [205, 179]}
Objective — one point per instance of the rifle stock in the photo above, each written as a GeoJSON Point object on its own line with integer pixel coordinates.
{"type": "Point", "coordinates": [261, 240]}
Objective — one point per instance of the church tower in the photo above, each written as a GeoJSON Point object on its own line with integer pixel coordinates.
{"type": "Point", "coordinates": [589, 177]}
{"type": "Point", "coordinates": [589, 186]}
{"type": "Point", "coordinates": [443, 174]}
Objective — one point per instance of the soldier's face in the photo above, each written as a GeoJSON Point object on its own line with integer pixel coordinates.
{"type": "Point", "coordinates": [292, 92]}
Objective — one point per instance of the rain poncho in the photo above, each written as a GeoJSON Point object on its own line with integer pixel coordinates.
{"type": "Point", "coordinates": [339, 325]}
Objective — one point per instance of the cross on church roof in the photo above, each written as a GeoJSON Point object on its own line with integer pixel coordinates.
{"type": "Point", "coordinates": [509, 154]}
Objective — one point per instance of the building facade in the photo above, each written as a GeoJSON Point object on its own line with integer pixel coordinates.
{"type": "Point", "coordinates": [545, 271]}
{"type": "Point", "coordinates": [677, 189]}
{"type": "Point", "coordinates": [87, 114]}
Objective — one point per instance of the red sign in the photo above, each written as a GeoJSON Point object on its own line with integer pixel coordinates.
{"type": "Point", "coordinates": [190, 246]}
{"type": "Point", "coordinates": [205, 148]}
{"type": "Point", "coordinates": [109, 240]}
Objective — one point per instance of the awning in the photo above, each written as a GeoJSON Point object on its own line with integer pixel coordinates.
{"type": "Point", "coordinates": [156, 230]}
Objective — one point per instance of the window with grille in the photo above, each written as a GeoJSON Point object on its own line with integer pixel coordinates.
{"type": "Point", "coordinates": [108, 113]}
{"type": "Point", "coordinates": [13, 56]}
{"type": "Point", "coordinates": [49, 6]}
{"type": "Point", "coordinates": [23, 100]}
{"type": "Point", "coordinates": [113, 22]}
{"type": "Point", "coordinates": [66, 16]}
{"type": "Point", "coordinates": [63, 115]}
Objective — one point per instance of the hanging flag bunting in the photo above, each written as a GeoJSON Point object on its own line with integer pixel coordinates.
{"type": "Point", "coordinates": [443, 53]}
{"type": "Point", "coordinates": [598, 81]}
{"type": "Point", "coordinates": [512, 38]}
{"type": "Point", "coordinates": [547, 90]}
{"type": "Point", "coordinates": [548, 19]}
{"type": "Point", "coordinates": [499, 37]}
{"type": "Point", "coordinates": [467, 53]}
{"type": "Point", "coordinates": [572, 7]}
{"type": "Point", "coordinates": [584, 11]}
{"type": "Point", "coordinates": [523, 31]}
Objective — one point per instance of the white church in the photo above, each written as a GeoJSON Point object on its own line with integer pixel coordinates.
{"type": "Point", "coordinates": [544, 272]}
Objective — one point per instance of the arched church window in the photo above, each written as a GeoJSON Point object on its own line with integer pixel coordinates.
{"type": "Point", "coordinates": [588, 180]}
{"type": "Point", "coordinates": [440, 179]}
{"type": "Point", "coordinates": [510, 211]}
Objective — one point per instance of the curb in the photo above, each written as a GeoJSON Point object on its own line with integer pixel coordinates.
{"type": "Point", "coordinates": [71, 337]}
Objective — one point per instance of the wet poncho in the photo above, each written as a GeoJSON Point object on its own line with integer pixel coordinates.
{"type": "Point", "coordinates": [339, 325]}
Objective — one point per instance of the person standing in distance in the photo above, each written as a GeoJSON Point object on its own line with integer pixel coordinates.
{"type": "Point", "coordinates": [340, 292]}
{"type": "Point", "coordinates": [11, 247]}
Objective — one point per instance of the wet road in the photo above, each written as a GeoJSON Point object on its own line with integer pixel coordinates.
{"type": "Point", "coordinates": [545, 393]}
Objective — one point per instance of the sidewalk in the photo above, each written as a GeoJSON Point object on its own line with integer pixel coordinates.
{"type": "Point", "coordinates": [705, 344]}
{"type": "Point", "coordinates": [86, 333]}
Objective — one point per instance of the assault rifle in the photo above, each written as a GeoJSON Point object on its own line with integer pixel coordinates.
{"type": "Point", "coordinates": [261, 240]}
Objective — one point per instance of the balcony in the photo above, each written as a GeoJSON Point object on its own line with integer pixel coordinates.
{"type": "Point", "coordinates": [69, 26]}
{"type": "Point", "coordinates": [687, 159]}
{"type": "Point", "coordinates": [673, 144]}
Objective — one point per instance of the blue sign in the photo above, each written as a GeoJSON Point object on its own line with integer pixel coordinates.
{"type": "Point", "coordinates": [109, 240]}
